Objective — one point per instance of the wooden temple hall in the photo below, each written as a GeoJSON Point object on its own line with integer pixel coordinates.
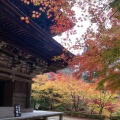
{"type": "Point", "coordinates": [25, 50]}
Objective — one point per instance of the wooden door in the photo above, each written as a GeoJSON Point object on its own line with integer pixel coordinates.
{"type": "Point", "coordinates": [1, 92]}
{"type": "Point", "coordinates": [8, 93]}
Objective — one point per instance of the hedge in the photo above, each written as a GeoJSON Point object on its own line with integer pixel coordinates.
{"type": "Point", "coordinates": [91, 116]}
{"type": "Point", "coordinates": [86, 115]}
{"type": "Point", "coordinates": [115, 118]}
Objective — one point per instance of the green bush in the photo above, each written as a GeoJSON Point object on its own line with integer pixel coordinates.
{"type": "Point", "coordinates": [86, 115]}
{"type": "Point", "coordinates": [60, 108]}
{"type": "Point", "coordinates": [117, 113]}
{"type": "Point", "coordinates": [93, 116]}
{"type": "Point", "coordinates": [115, 118]}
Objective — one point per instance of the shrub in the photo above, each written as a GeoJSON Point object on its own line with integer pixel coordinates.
{"type": "Point", "coordinates": [115, 118]}
{"type": "Point", "coordinates": [86, 115]}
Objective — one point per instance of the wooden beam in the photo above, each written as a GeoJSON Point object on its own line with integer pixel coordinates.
{"type": "Point", "coordinates": [13, 72]}
{"type": "Point", "coordinates": [4, 75]}
{"type": "Point", "coordinates": [8, 77]}
{"type": "Point", "coordinates": [22, 79]}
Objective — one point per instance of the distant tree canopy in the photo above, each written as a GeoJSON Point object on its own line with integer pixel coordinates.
{"type": "Point", "coordinates": [66, 93]}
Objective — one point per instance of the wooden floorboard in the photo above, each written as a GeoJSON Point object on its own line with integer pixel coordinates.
{"type": "Point", "coordinates": [36, 115]}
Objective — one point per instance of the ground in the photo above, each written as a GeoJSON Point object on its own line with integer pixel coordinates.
{"type": "Point", "coordinates": [67, 118]}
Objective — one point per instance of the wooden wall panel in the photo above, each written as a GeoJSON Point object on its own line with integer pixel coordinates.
{"type": "Point", "coordinates": [6, 93]}
{"type": "Point", "coordinates": [20, 87]}
{"type": "Point", "coordinates": [20, 95]}
{"type": "Point", "coordinates": [19, 100]}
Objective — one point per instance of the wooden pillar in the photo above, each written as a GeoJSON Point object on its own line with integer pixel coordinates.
{"type": "Point", "coordinates": [28, 92]}
{"type": "Point", "coordinates": [8, 93]}
{"type": "Point", "coordinates": [61, 117]}
{"type": "Point", "coordinates": [45, 118]}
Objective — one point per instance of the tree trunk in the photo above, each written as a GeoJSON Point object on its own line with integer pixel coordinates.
{"type": "Point", "coordinates": [111, 116]}
{"type": "Point", "coordinates": [92, 111]}
{"type": "Point", "coordinates": [101, 110]}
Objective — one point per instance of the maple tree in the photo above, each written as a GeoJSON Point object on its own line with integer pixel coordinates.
{"type": "Point", "coordinates": [101, 51]}
{"type": "Point", "coordinates": [49, 90]}
{"type": "Point", "coordinates": [111, 108]}
{"type": "Point", "coordinates": [100, 100]}
{"type": "Point", "coordinates": [77, 95]}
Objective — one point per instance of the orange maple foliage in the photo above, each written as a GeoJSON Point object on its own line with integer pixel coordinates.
{"type": "Point", "coordinates": [101, 50]}
{"type": "Point", "coordinates": [60, 10]}
{"type": "Point", "coordinates": [102, 55]}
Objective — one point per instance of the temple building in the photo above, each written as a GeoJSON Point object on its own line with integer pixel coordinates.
{"type": "Point", "coordinates": [25, 51]}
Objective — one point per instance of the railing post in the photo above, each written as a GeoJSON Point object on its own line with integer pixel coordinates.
{"type": "Point", "coordinates": [61, 117]}
{"type": "Point", "coordinates": [45, 118]}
